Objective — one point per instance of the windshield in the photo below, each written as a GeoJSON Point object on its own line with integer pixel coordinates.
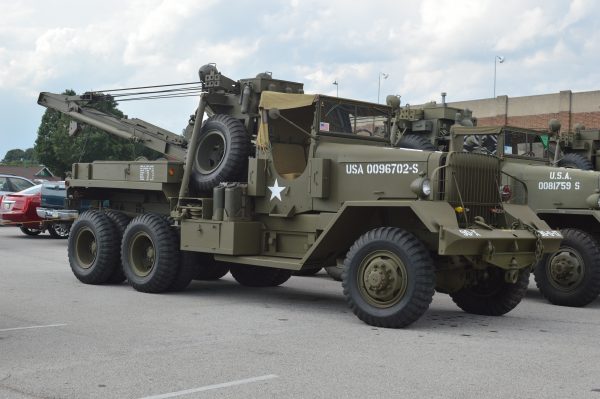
{"type": "Point", "coordinates": [358, 120]}
{"type": "Point", "coordinates": [526, 144]}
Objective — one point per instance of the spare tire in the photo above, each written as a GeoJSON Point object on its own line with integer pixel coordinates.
{"type": "Point", "coordinates": [574, 160]}
{"type": "Point", "coordinates": [416, 142]}
{"type": "Point", "coordinates": [221, 154]}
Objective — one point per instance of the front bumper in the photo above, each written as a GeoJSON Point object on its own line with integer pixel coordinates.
{"type": "Point", "coordinates": [57, 214]}
{"type": "Point", "coordinates": [505, 248]}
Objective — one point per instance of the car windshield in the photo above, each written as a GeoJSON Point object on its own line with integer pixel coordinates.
{"type": "Point", "coordinates": [31, 190]}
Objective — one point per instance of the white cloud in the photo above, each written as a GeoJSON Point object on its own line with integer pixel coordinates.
{"type": "Point", "coordinates": [426, 46]}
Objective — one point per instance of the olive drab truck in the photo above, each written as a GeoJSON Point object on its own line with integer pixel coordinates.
{"type": "Point", "coordinates": [564, 197]}
{"type": "Point", "coordinates": [276, 181]}
{"type": "Point", "coordinates": [426, 126]}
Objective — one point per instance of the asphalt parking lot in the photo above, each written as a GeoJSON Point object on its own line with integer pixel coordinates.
{"type": "Point", "coordinates": [63, 339]}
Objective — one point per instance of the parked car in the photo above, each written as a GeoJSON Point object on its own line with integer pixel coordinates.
{"type": "Point", "coordinates": [24, 209]}
{"type": "Point", "coordinates": [13, 184]}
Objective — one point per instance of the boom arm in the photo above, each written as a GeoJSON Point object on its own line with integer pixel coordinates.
{"type": "Point", "coordinates": [170, 144]}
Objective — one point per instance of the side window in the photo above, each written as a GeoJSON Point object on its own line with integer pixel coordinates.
{"type": "Point", "coordinates": [20, 184]}
{"type": "Point", "coordinates": [4, 184]}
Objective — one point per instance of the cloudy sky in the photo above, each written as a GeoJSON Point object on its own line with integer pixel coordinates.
{"type": "Point", "coordinates": [426, 46]}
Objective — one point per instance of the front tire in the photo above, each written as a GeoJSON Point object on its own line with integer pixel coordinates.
{"type": "Point", "coordinates": [93, 248]}
{"type": "Point", "coordinates": [571, 276]}
{"type": "Point", "coordinates": [150, 253]}
{"type": "Point", "coordinates": [388, 278]}
{"type": "Point", "coordinates": [492, 295]}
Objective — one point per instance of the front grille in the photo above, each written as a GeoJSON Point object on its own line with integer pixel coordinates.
{"type": "Point", "coordinates": [472, 182]}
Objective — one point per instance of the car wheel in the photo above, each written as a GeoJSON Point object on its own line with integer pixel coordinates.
{"type": "Point", "coordinates": [59, 230]}
{"type": "Point", "coordinates": [30, 231]}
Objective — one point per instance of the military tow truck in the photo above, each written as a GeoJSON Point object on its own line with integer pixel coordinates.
{"type": "Point", "coordinates": [565, 197]}
{"type": "Point", "coordinates": [276, 181]}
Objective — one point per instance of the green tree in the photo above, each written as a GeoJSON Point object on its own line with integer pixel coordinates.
{"type": "Point", "coordinates": [18, 156]}
{"type": "Point", "coordinates": [58, 151]}
{"type": "Point", "coordinates": [14, 155]}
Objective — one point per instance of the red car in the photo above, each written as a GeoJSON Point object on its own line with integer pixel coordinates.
{"type": "Point", "coordinates": [20, 209]}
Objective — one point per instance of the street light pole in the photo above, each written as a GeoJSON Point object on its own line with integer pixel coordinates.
{"type": "Point", "coordinates": [337, 86]}
{"type": "Point", "coordinates": [385, 76]}
{"type": "Point", "coordinates": [497, 59]}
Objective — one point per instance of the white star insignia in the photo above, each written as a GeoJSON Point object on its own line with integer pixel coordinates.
{"type": "Point", "coordinates": [276, 190]}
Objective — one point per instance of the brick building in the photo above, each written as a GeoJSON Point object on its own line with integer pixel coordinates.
{"type": "Point", "coordinates": [534, 112]}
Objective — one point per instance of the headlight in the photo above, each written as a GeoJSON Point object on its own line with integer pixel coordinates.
{"type": "Point", "coordinates": [593, 201]}
{"type": "Point", "coordinates": [421, 186]}
{"type": "Point", "coordinates": [426, 187]}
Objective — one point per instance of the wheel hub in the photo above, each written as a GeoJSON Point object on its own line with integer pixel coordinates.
{"type": "Point", "coordinates": [142, 254]}
{"type": "Point", "coordinates": [61, 229]}
{"type": "Point", "coordinates": [383, 279]}
{"type": "Point", "coordinates": [210, 152]}
{"type": "Point", "coordinates": [378, 277]}
{"type": "Point", "coordinates": [86, 248]}
{"type": "Point", "coordinates": [566, 269]}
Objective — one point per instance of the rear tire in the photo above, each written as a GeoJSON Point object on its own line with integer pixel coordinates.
{"type": "Point", "coordinates": [209, 269]}
{"type": "Point", "coordinates": [388, 278]}
{"type": "Point", "coordinates": [257, 276]}
{"type": "Point", "coordinates": [93, 248]}
{"type": "Point", "coordinates": [335, 272]}
{"type": "Point", "coordinates": [188, 266]}
{"type": "Point", "coordinates": [492, 296]}
{"type": "Point", "coordinates": [150, 253]}
{"type": "Point", "coordinates": [571, 276]}
{"type": "Point", "coordinates": [120, 221]}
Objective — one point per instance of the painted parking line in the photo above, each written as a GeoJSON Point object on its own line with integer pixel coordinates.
{"type": "Point", "coordinates": [31, 327]}
{"type": "Point", "coordinates": [211, 387]}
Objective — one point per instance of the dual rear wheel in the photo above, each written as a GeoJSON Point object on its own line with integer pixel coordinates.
{"type": "Point", "coordinates": [106, 247]}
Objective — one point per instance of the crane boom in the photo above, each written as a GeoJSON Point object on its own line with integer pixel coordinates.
{"type": "Point", "coordinates": [172, 145]}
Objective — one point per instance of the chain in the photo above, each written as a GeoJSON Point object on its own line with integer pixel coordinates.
{"type": "Point", "coordinates": [539, 245]}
